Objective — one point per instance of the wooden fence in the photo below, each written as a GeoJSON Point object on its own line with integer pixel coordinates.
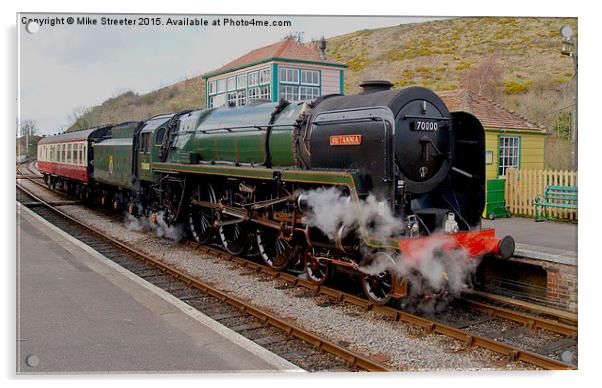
{"type": "Point", "coordinates": [522, 186]}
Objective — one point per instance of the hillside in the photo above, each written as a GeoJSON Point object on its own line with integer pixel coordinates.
{"type": "Point", "coordinates": [515, 61]}
{"type": "Point", "coordinates": [128, 106]}
{"type": "Point", "coordinates": [437, 54]}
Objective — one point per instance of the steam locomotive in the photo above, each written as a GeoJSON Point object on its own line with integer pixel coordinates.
{"type": "Point", "coordinates": [250, 178]}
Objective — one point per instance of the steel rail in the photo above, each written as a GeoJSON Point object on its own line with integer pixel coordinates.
{"type": "Point", "coordinates": [354, 359]}
{"type": "Point", "coordinates": [513, 353]}
{"type": "Point", "coordinates": [531, 321]}
{"type": "Point", "coordinates": [560, 315]}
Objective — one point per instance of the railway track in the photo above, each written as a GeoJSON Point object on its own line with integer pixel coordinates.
{"type": "Point", "coordinates": [301, 347]}
{"type": "Point", "coordinates": [533, 323]}
{"type": "Point", "coordinates": [451, 329]}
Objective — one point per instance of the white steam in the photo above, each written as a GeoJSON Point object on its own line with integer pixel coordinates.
{"type": "Point", "coordinates": [426, 264]}
{"type": "Point", "coordinates": [429, 267]}
{"type": "Point", "coordinates": [329, 209]}
{"type": "Point", "coordinates": [161, 228]}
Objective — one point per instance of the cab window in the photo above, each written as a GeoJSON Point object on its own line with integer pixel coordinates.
{"type": "Point", "coordinates": [159, 136]}
{"type": "Point", "coordinates": [144, 142]}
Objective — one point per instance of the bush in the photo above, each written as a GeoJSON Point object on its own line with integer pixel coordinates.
{"type": "Point", "coordinates": [358, 63]}
{"type": "Point", "coordinates": [463, 65]}
{"type": "Point", "coordinates": [513, 87]}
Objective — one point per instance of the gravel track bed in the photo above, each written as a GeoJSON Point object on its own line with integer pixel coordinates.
{"type": "Point", "coordinates": [400, 346]}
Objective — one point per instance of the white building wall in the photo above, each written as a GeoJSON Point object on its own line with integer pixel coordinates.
{"type": "Point", "coordinates": [331, 81]}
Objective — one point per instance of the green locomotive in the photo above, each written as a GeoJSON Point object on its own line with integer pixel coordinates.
{"type": "Point", "coordinates": [247, 178]}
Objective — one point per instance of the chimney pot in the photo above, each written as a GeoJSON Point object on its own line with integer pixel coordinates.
{"type": "Point", "coordinates": [373, 86]}
{"type": "Point", "coordinates": [322, 46]}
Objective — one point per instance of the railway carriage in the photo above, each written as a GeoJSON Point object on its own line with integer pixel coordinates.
{"type": "Point", "coordinates": [67, 160]}
{"type": "Point", "coordinates": [247, 178]}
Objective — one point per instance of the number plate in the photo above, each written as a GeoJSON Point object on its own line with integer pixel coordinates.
{"type": "Point", "coordinates": [425, 125]}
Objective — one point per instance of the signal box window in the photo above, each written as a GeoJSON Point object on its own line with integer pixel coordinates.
{"type": "Point", "coordinates": [265, 76]}
{"type": "Point", "coordinates": [310, 77]}
{"type": "Point", "coordinates": [289, 75]}
{"type": "Point", "coordinates": [253, 78]}
{"type": "Point", "coordinates": [266, 92]}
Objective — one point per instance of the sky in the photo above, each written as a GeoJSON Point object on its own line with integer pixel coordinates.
{"type": "Point", "coordinates": [65, 67]}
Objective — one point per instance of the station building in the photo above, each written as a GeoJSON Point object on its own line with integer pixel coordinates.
{"type": "Point", "coordinates": [511, 141]}
{"type": "Point", "coordinates": [286, 69]}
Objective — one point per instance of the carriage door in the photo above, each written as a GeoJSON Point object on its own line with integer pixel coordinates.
{"type": "Point", "coordinates": [144, 156]}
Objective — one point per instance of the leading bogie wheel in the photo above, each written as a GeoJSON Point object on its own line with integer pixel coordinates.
{"type": "Point", "coordinates": [318, 270]}
{"type": "Point", "coordinates": [378, 288]}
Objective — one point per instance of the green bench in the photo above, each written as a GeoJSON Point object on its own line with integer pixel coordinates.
{"type": "Point", "coordinates": [560, 197]}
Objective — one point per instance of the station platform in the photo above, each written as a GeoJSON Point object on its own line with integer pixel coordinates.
{"type": "Point", "coordinates": [78, 312]}
{"type": "Point", "coordinates": [546, 240]}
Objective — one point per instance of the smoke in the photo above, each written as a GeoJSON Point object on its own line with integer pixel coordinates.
{"type": "Point", "coordinates": [329, 209]}
{"type": "Point", "coordinates": [161, 228]}
{"type": "Point", "coordinates": [426, 264]}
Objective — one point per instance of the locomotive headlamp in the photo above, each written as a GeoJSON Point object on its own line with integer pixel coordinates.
{"type": "Point", "coordinates": [450, 226]}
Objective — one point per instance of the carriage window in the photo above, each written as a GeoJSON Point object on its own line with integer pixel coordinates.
{"type": "Point", "coordinates": [159, 136]}
{"type": "Point", "coordinates": [74, 155]}
{"type": "Point", "coordinates": [63, 150]}
{"type": "Point", "coordinates": [81, 154]}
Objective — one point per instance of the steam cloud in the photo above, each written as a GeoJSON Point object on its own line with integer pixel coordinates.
{"type": "Point", "coordinates": [426, 265]}
{"type": "Point", "coordinates": [329, 209]}
{"type": "Point", "coordinates": [161, 228]}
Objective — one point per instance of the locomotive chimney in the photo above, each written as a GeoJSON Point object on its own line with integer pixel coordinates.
{"type": "Point", "coordinates": [374, 86]}
{"type": "Point", "coordinates": [322, 46]}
